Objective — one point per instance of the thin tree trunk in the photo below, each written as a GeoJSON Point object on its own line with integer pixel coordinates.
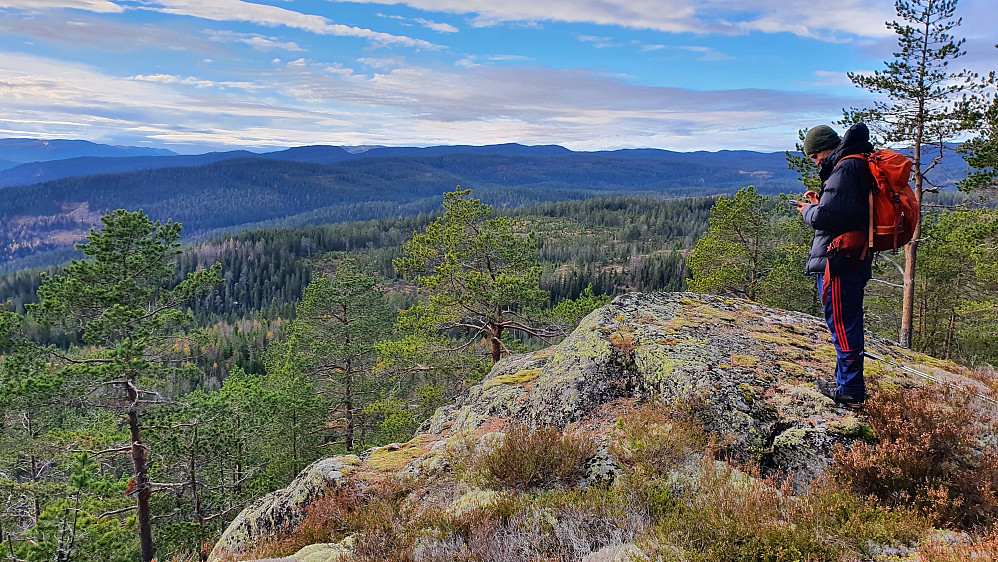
{"type": "Point", "coordinates": [495, 331]}
{"type": "Point", "coordinates": [950, 329]}
{"type": "Point", "coordinates": [142, 487]}
{"type": "Point", "coordinates": [911, 250]}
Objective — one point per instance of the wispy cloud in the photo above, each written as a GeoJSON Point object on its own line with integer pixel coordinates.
{"type": "Point", "coordinates": [830, 78]}
{"type": "Point", "coordinates": [850, 18]}
{"type": "Point", "coordinates": [96, 33]}
{"type": "Point", "coordinates": [259, 42]}
{"type": "Point", "coordinates": [195, 82]}
{"type": "Point", "coordinates": [100, 6]}
{"type": "Point", "coordinates": [429, 24]}
{"type": "Point", "coordinates": [598, 42]}
{"type": "Point", "coordinates": [237, 10]}
{"type": "Point", "coordinates": [231, 11]}
{"type": "Point", "coordinates": [706, 53]}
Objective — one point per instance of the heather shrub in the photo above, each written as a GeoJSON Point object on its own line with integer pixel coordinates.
{"type": "Point", "coordinates": [544, 456]}
{"type": "Point", "coordinates": [928, 455]}
{"type": "Point", "coordinates": [653, 439]}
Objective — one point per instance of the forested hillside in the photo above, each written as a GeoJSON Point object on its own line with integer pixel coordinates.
{"type": "Point", "coordinates": [39, 223]}
{"type": "Point", "coordinates": [614, 244]}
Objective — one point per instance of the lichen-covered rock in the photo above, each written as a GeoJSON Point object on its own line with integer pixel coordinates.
{"type": "Point", "coordinates": [284, 508]}
{"type": "Point", "coordinates": [745, 371]}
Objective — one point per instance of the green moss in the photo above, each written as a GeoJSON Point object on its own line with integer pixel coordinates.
{"type": "Point", "coordinates": [543, 354]}
{"type": "Point", "coordinates": [941, 364]}
{"type": "Point", "coordinates": [782, 340]}
{"type": "Point", "coordinates": [745, 360]}
{"type": "Point", "coordinates": [387, 459]}
{"type": "Point", "coordinates": [713, 313]}
{"type": "Point", "coordinates": [792, 369]}
{"type": "Point", "coordinates": [792, 353]}
{"type": "Point", "coordinates": [657, 367]}
{"type": "Point", "coordinates": [677, 323]}
{"type": "Point", "coordinates": [520, 377]}
{"type": "Point", "coordinates": [851, 428]}
{"type": "Point", "coordinates": [793, 438]}
{"type": "Point", "coordinates": [825, 353]}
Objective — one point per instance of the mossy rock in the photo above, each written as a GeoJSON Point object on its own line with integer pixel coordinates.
{"type": "Point", "coordinates": [520, 377]}
{"type": "Point", "coordinates": [851, 428]}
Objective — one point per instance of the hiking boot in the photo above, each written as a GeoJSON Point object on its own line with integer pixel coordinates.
{"type": "Point", "coordinates": [831, 390]}
{"type": "Point", "coordinates": [846, 401]}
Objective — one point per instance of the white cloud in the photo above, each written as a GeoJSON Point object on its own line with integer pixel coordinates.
{"type": "Point", "coordinates": [306, 102]}
{"type": "Point", "coordinates": [98, 33]}
{"type": "Point", "coordinates": [237, 10]}
{"type": "Point", "coordinates": [830, 78]}
{"type": "Point", "coordinates": [598, 42]}
{"type": "Point", "coordinates": [196, 82]}
{"type": "Point", "coordinates": [437, 26]}
{"type": "Point", "coordinates": [429, 24]}
{"type": "Point", "coordinates": [706, 53]}
{"type": "Point", "coordinates": [801, 17]}
{"type": "Point", "coordinates": [231, 10]}
{"type": "Point", "coordinates": [100, 6]}
{"type": "Point", "coordinates": [258, 42]}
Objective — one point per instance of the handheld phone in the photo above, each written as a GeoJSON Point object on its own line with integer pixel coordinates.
{"type": "Point", "coordinates": [795, 202]}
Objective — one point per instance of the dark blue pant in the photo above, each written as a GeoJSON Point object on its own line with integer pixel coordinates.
{"type": "Point", "coordinates": [843, 304]}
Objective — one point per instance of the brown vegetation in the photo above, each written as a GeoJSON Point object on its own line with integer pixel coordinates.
{"type": "Point", "coordinates": [928, 455]}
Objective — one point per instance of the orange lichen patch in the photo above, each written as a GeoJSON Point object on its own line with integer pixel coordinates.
{"type": "Point", "coordinates": [602, 420]}
{"type": "Point", "coordinates": [493, 425]}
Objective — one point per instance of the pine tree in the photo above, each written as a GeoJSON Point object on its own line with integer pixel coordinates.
{"type": "Point", "coordinates": [481, 275]}
{"type": "Point", "coordinates": [119, 299]}
{"type": "Point", "coordinates": [922, 106]}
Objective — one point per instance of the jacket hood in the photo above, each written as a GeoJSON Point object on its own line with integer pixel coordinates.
{"type": "Point", "coordinates": [855, 141]}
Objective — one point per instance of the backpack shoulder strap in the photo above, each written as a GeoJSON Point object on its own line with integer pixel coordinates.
{"type": "Point", "coordinates": [863, 157]}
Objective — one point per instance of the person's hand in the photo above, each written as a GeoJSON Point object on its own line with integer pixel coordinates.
{"type": "Point", "coordinates": [812, 197]}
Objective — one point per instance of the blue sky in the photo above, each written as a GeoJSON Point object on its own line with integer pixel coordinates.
{"type": "Point", "coordinates": [200, 75]}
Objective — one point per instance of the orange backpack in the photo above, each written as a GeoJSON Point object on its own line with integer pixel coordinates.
{"type": "Point", "coordinates": [894, 211]}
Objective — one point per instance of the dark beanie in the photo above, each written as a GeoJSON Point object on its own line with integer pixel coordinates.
{"type": "Point", "coordinates": [820, 138]}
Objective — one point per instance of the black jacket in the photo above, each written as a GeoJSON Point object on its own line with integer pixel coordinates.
{"type": "Point", "coordinates": [844, 204]}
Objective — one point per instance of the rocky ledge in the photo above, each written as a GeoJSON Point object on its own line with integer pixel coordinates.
{"type": "Point", "coordinates": [747, 372]}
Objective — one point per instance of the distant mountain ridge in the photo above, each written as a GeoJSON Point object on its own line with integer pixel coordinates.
{"type": "Point", "coordinates": [54, 169]}
{"type": "Point", "coordinates": [21, 150]}
{"type": "Point", "coordinates": [39, 172]}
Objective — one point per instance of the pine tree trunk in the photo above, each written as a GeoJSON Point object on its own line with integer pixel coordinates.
{"type": "Point", "coordinates": [142, 487]}
{"type": "Point", "coordinates": [495, 336]}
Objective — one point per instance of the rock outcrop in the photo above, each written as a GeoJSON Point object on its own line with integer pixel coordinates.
{"type": "Point", "coordinates": [747, 371]}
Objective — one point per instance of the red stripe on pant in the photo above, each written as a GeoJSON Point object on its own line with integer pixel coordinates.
{"type": "Point", "coordinates": [840, 328]}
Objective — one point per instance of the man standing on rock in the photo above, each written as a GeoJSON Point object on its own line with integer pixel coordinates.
{"type": "Point", "coordinates": [842, 206]}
